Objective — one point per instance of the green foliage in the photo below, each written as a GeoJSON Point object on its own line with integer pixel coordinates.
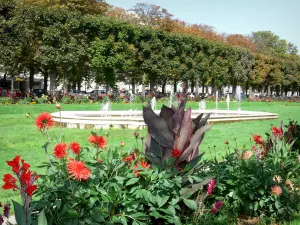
{"type": "Point", "coordinates": [260, 184]}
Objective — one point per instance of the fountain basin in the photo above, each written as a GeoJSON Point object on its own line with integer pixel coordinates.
{"type": "Point", "coordinates": [133, 119]}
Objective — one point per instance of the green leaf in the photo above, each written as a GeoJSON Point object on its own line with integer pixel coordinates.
{"type": "Point", "coordinates": [139, 216]}
{"type": "Point", "coordinates": [58, 203]}
{"type": "Point", "coordinates": [97, 215]}
{"type": "Point", "coordinates": [132, 181]}
{"type": "Point", "coordinates": [190, 203]}
{"type": "Point", "coordinates": [19, 213]}
{"type": "Point", "coordinates": [123, 220]}
{"type": "Point", "coordinates": [71, 214]}
{"type": "Point", "coordinates": [42, 220]}
{"type": "Point", "coordinates": [163, 201]}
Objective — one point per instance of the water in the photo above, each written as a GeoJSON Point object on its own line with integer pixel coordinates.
{"type": "Point", "coordinates": [202, 105]}
{"type": "Point", "coordinates": [153, 103]}
{"type": "Point", "coordinates": [106, 108]}
{"type": "Point", "coordinates": [238, 96]}
{"type": "Point", "coordinates": [228, 101]}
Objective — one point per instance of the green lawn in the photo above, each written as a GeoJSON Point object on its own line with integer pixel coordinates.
{"type": "Point", "coordinates": [19, 136]}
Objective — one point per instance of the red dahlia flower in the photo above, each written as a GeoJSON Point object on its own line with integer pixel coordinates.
{"type": "Point", "coordinates": [258, 139]}
{"type": "Point", "coordinates": [277, 131]}
{"type": "Point", "coordinates": [141, 164]}
{"type": "Point", "coordinates": [75, 147]}
{"type": "Point", "coordinates": [176, 153]}
{"type": "Point", "coordinates": [130, 158]}
{"type": "Point", "coordinates": [60, 150]}
{"type": "Point", "coordinates": [78, 170]}
{"type": "Point", "coordinates": [44, 120]}
{"type": "Point", "coordinates": [97, 141]}
{"type": "Point", "coordinates": [9, 182]}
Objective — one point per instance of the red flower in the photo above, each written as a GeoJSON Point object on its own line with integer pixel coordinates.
{"type": "Point", "coordinates": [130, 158]}
{"type": "Point", "coordinates": [211, 187]}
{"type": "Point", "coordinates": [60, 150]}
{"type": "Point", "coordinates": [176, 153]}
{"type": "Point", "coordinates": [75, 147]}
{"type": "Point", "coordinates": [100, 160]}
{"type": "Point", "coordinates": [258, 139]}
{"type": "Point", "coordinates": [15, 164]}
{"type": "Point", "coordinates": [277, 131]}
{"type": "Point", "coordinates": [30, 189]}
{"type": "Point", "coordinates": [97, 141]}
{"type": "Point", "coordinates": [9, 182]}
{"type": "Point", "coordinates": [25, 166]}
{"type": "Point", "coordinates": [213, 210]}
{"type": "Point", "coordinates": [27, 179]}
{"type": "Point", "coordinates": [226, 142]}
{"type": "Point", "coordinates": [78, 170]}
{"type": "Point", "coordinates": [44, 120]}
{"type": "Point", "coordinates": [141, 164]}
{"type": "Point", "coordinates": [218, 204]}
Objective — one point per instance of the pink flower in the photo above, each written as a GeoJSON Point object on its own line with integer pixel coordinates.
{"type": "Point", "coordinates": [213, 210]}
{"type": "Point", "coordinates": [211, 187]}
{"type": "Point", "coordinates": [219, 204]}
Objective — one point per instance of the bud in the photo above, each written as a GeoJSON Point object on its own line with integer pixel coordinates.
{"type": "Point", "coordinates": [58, 106]}
{"type": "Point", "coordinates": [27, 114]}
{"type": "Point", "coordinates": [122, 144]}
{"type": "Point", "coordinates": [136, 134]}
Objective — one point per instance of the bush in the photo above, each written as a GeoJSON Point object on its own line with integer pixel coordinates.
{"type": "Point", "coordinates": [5, 100]}
{"type": "Point", "coordinates": [261, 182]}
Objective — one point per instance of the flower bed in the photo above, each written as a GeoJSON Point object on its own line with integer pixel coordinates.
{"type": "Point", "coordinates": [167, 184]}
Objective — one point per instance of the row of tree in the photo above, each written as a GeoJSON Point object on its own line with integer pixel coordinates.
{"type": "Point", "coordinates": [78, 40]}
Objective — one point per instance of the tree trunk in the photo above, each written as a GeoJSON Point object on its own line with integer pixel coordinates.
{"type": "Point", "coordinates": [213, 86]}
{"type": "Point", "coordinates": [46, 74]}
{"type": "Point", "coordinates": [152, 84]}
{"type": "Point", "coordinates": [269, 91]}
{"type": "Point", "coordinates": [12, 85]}
{"type": "Point", "coordinates": [197, 87]}
{"type": "Point", "coordinates": [250, 91]}
{"type": "Point", "coordinates": [203, 89]}
{"type": "Point", "coordinates": [164, 86]}
{"type": "Point", "coordinates": [234, 85]}
{"type": "Point", "coordinates": [247, 88]}
{"type": "Point", "coordinates": [192, 86]}
{"type": "Point", "coordinates": [79, 84]}
{"type": "Point", "coordinates": [31, 78]}
{"type": "Point", "coordinates": [53, 81]}
{"type": "Point", "coordinates": [263, 90]}
{"type": "Point", "coordinates": [4, 80]}
{"type": "Point", "coordinates": [175, 86]}
{"type": "Point", "coordinates": [133, 87]}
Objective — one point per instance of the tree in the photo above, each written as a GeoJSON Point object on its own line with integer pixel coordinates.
{"type": "Point", "coordinates": [268, 43]}
{"type": "Point", "coordinates": [241, 41]}
{"type": "Point", "coordinates": [84, 6]}
{"type": "Point", "coordinates": [151, 15]}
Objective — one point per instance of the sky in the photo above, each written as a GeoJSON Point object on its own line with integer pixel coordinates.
{"type": "Point", "coordinates": [282, 17]}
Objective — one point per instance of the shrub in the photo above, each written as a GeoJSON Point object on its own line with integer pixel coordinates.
{"type": "Point", "coordinates": [261, 182]}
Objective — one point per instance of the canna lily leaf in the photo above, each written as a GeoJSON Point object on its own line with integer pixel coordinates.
{"type": "Point", "coordinates": [158, 128]}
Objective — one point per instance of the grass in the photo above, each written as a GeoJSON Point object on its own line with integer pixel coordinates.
{"type": "Point", "coordinates": [19, 136]}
